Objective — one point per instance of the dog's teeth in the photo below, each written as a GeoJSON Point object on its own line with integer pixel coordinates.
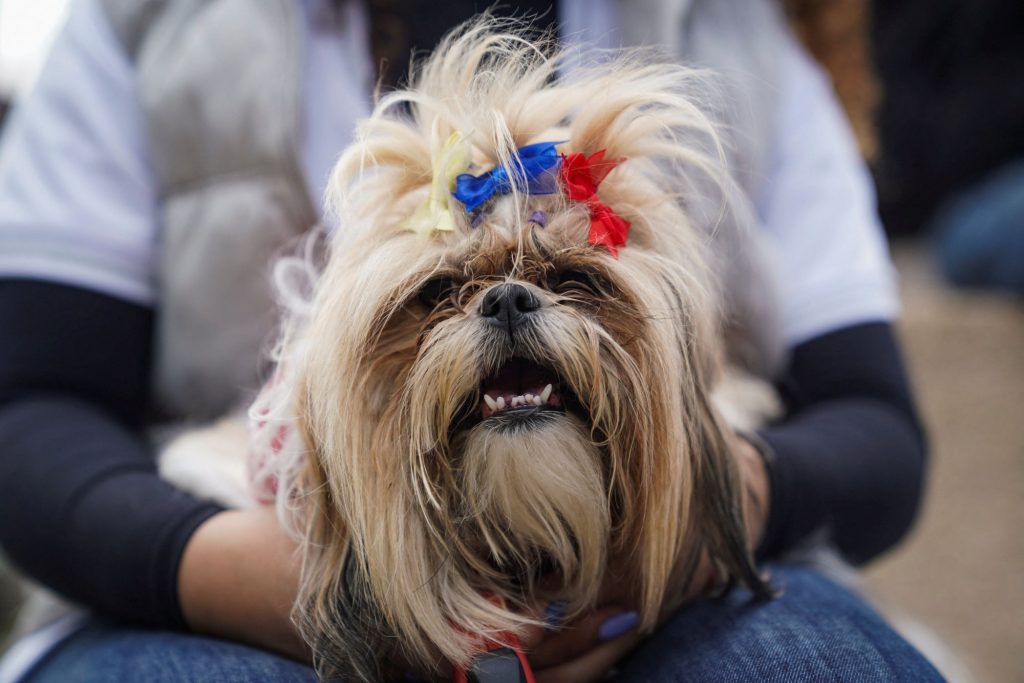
{"type": "Point", "coordinates": [522, 400]}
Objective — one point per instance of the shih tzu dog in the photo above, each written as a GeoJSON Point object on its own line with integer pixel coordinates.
{"type": "Point", "coordinates": [500, 391]}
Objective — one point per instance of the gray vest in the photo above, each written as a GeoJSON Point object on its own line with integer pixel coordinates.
{"type": "Point", "coordinates": [219, 82]}
{"type": "Point", "coordinates": [220, 86]}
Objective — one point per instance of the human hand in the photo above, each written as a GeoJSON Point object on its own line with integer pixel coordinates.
{"type": "Point", "coordinates": [588, 647]}
{"type": "Point", "coordinates": [584, 649]}
{"type": "Point", "coordinates": [238, 579]}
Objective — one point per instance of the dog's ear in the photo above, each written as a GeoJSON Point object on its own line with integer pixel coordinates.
{"type": "Point", "coordinates": [718, 504]}
{"type": "Point", "coordinates": [334, 610]}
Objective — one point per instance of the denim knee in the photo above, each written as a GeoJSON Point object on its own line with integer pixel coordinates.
{"type": "Point", "coordinates": [113, 653]}
{"type": "Point", "coordinates": [815, 631]}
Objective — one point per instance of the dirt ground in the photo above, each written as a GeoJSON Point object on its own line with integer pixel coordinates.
{"type": "Point", "coordinates": [961, 571]}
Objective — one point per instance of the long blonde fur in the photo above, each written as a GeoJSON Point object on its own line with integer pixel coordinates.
{"type": "Point", "coordinates": [411, 522]}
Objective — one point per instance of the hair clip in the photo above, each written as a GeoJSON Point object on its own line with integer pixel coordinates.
{"type": "Point", "coordinates": [529, 171]}
{"type": "Point", "coordinates": [540, 218]}
{"type": "Point", "coordinates": [581, 176]}
{"type": "Point", "coordinates": [434, 214]}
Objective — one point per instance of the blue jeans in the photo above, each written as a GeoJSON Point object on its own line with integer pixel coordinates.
{"type": "Point", "coordinates": [816, 631]}
{"type": "Point", "coordinates": [981, 232]}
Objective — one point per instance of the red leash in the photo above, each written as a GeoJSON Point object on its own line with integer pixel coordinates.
{"type": "Point", "coordinates": [499, 662]}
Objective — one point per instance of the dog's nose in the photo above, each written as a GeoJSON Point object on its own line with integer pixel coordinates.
{"type": "Point", "coordinates": [508, 305]}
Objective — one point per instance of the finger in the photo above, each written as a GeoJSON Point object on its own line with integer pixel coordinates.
{"type": "Point", "coordinates": [592, 666]}
{"type": "Point", "coordinates": [583, 635]}
{"type": "Point", "coordinates": [553, 616]}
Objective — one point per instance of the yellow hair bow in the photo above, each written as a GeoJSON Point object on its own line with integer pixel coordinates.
{"type": "Point", "coordinates": [434, 213]}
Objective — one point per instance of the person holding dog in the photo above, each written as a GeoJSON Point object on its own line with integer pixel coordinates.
{"type": "Point", "coordinates": [171, 148]}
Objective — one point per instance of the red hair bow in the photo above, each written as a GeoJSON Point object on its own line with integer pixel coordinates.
{"type": "Point", "coordinates": [581, 176]}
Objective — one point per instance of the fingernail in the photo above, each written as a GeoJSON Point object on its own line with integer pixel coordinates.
{"type": "Point", "coordinates": [555, 613]}
{"type": "Point", "coordinates": [618, 626]}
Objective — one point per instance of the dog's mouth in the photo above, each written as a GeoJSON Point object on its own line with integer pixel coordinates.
{"type": "Point", "coordinates": [519, 389]}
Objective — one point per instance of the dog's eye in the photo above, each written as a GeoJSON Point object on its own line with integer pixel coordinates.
{"type": "Point", "coordinates": [435, 290]}
{"type": "Point", "coordinates": [574, 279]}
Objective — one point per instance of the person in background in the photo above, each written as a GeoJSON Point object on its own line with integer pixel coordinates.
{"type": "Point", "coordinates": [951, 127]}
{"type": "Point", "coordinates": [170, 149]}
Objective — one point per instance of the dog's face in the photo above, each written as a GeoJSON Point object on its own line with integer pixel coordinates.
{"type": "Point", "coordinates": [505, 409]}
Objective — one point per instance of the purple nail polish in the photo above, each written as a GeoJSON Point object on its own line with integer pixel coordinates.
{"type": "Point", "coordinates": [618, 626]}
{"type": "Point", "coordinates": [555, 613]}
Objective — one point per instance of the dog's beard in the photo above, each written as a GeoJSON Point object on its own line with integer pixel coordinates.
{"type": "Point", "coordinates": [535, 506]}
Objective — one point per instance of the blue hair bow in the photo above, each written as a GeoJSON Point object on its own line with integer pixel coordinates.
{"type": "Point", "coordinates": [529, 172]}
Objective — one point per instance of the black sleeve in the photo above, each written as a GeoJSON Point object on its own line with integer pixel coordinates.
{"type": "Point", "coordinates": [82, 509]}
{"type": "Point", "coordinates": [850, 454]}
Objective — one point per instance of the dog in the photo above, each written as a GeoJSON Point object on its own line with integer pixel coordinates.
{"type": "Point", "coordinates": [501, 389]}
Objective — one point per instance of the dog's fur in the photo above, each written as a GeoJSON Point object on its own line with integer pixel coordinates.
{"type": "Point", "coordinates": [413, 510]}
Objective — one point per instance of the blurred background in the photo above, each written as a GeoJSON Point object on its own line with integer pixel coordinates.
{"type": "Point", "coordinates": [935, 92]}
{"type": "Point", "coordinates": [26, 29]}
